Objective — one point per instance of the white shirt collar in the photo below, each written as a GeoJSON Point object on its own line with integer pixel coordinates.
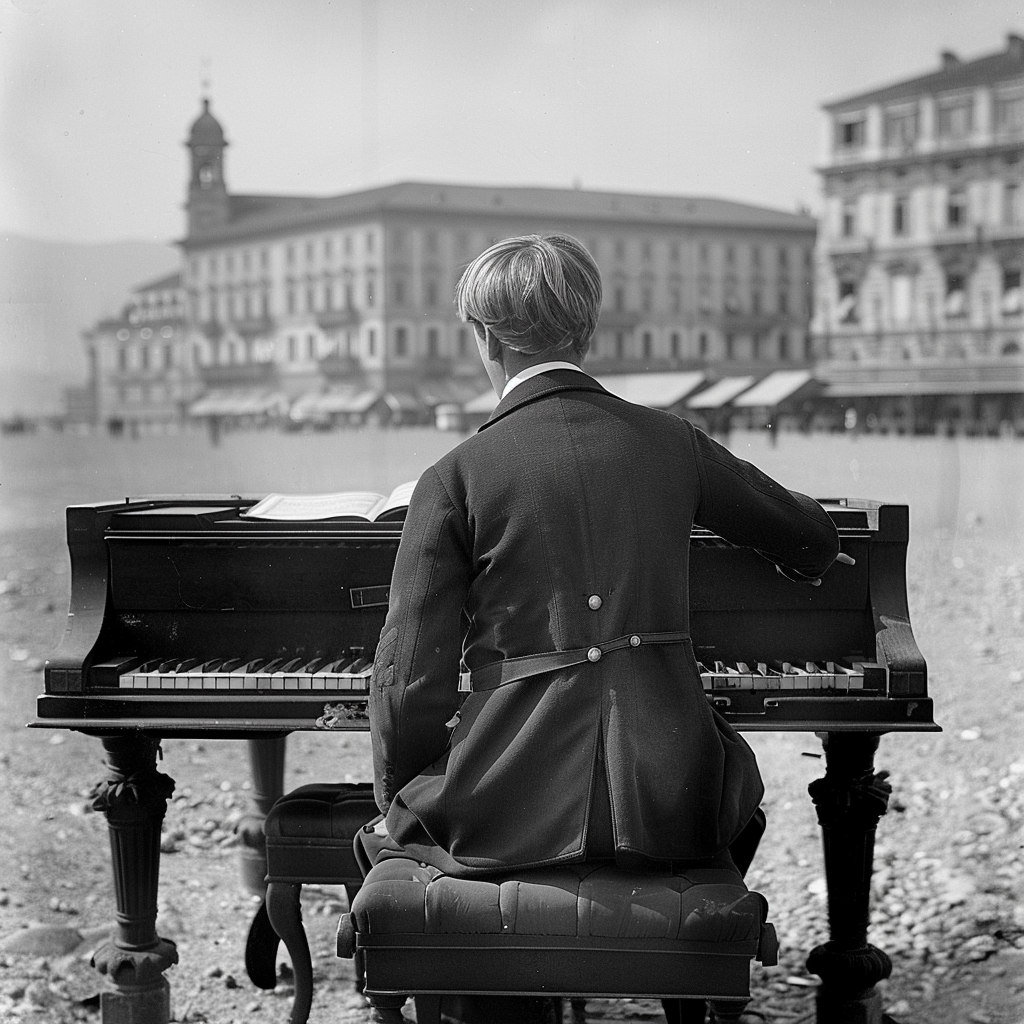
{"type": "Point", "coordinates": [532, 371]}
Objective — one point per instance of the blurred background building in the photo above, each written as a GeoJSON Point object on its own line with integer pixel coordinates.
{"type": "Point", "coordinates": [921, 250]}
{"type": "Point", "coordinates": [319, 311]}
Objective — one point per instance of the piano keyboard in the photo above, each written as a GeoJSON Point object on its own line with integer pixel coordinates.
{"type": "Point", "coordinates": [351, 674]}
{"type": "Point", "coordinates": [785, 675]}
{"type": "Point", "coordinates": [348, 674]}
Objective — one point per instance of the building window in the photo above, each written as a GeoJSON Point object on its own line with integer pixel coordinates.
{"type": "Point", "coordinates": [674, 342]}
{"type": "Point", "coordinates": [371, 342]}
{"type": "Point", "coordinates": [956, 118]}
{"type": "Point", "coordinates": [784, 257]}
{"type": "Point", "coordinates": [783, 347]}
{"type": "Point", "coordinates": [371, 289]}
{"type": "Point", "coordinates": [702, 344]}
{"type": "Point", "coordinates": [401, 341]}
{"type": "Point", "coordinates": [956, 297]}
{"type": "Point", "coordinates": [902, 298]}
{"type": "Point", "coordinates": [755, 255]}
{"type": "Point", "coordinates": [850, 132]}
{"type": "Point", "coordinates": [310, 298]}
{"type": "Point", "coordinates": [729, 346]}
{"type": "Point", "coordinates": [1011, 204]}
{"type": "Point", "coordinates": [620, 344]}
{"type": "Point", "coordinates": [647, 343]}
{"type": "Point", "coordinates": [370, 241]}
{"type": "Point", "coordinates": [783, 301]}
{"type": "Point", "coordinates": [755, 301]}
{"type": "Point", "coordinates": [1010, 114]}
{"type": "Point", "coordinates": [901, 128]}
{"type": "Point", "coordinates": [901, 216]}
{"type": "Point", "coordinates": [122, 358]}
{"type": "Point", "coordinates": [432, 342]}
{"type": "Point", "coordinates": [956, 208]}
{"type": "Point", "coordinates": [463, 341]}
{"type": "Point", "coordinates": [848, 227]}
{"type": "Point", "coordinates": [846, 311]}
{"type": "Point", "coordinates": [293, 348]}
{"type": "Point", "coordinates": [1011, 304]}
{"type": "Point", "coordinates": [328, 248]}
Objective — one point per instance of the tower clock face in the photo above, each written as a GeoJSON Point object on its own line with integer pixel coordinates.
{"type": "Point", "coordinates": [206, 176]}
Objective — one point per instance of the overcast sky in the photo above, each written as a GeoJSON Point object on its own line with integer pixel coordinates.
{"type": "Point", "coordinates": [325, 96]}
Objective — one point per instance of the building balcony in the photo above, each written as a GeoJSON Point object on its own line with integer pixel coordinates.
{"type": "Point", "coordinates": [338, 319]}
{"type": "Point", "coordinates": [232, 374]}
{"type": "Point", "coordinates": [922, 348]}
{"type": "Point", "coordinates": [337, 367]}
{"type": "Point", "coordinates": [254, 327]}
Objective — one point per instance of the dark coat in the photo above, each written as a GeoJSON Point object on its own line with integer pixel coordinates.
{"type": "Point", "coordinates": [565, 522]}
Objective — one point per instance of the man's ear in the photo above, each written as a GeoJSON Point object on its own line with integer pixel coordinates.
{"type": "Point", "coordinates": [494, 350]}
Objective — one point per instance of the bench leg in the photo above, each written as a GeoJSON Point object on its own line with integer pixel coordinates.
{"type": "Point", "coordinates": [284, 908]}
{"type": "Point", "coordinates": [261, 950]}
{"type": "Point", "coordinates": [684, 1011]}
{"type": "Point", "coordinates": [388, 1009]}
{"type": "Point", "coordinates": [428, 1009]}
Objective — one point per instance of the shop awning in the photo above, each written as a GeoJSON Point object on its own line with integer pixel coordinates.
{"type": "Point", "coordinates": [720, 392]}
{"type": "Point", "coordinates": [482, 403]}
{"type": "Point", "coordinates": [401, 402]}
{"type": "Point", "coordinates": [775, 388]}
{"type": "Point", "coordinates": [922, 388]}
{"type": "Point", "coordinates": [655, 390]}
{"type": "Point", "coordinates": [239, 403]}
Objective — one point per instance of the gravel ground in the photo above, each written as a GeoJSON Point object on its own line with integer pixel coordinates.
{"type": "Point", "coordinates": [946, 893]}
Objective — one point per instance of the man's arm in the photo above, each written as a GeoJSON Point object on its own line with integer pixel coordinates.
{"type": "Point", "coordinates": [414, 687]}
{"type": "Point", "coordinates": [747, 507]}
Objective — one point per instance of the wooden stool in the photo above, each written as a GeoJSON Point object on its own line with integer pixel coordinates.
{"type": "Point", "coordinates": [309, 835]}
{"type": "Point", "coordinates": [580, 931]}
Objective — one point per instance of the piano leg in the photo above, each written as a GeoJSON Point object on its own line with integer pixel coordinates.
{"type": "Point", "coordinates": [849, 799]}
{"type": "Point", "coordinates": [134, 799]}
{"type": "Point", "coordinates": [266, 765]}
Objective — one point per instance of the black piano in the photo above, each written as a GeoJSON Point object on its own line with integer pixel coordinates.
{"type": "Point", "coordinates": [187, 618]}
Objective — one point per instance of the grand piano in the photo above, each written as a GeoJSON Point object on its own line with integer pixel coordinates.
{"type": "Point", "coordinates": [189, 619]}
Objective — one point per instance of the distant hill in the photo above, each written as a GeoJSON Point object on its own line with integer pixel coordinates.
{"type": "Point", "coordinates": [50, 292]}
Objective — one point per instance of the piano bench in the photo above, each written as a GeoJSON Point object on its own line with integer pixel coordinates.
{"type": "Point", "coordinates": [578, 931]}
{"type": "Point", "coordinates": [309, 834]}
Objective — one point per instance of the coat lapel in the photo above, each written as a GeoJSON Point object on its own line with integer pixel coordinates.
{"type": "Point", "coordinates": [541, 386]}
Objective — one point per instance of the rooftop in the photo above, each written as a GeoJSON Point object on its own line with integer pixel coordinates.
{"type": "Point", "coordinates": [260, 214]}
{"type": "Point", "coordinates": [952, 74]}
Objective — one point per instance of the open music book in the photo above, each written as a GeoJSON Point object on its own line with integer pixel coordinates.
{"type": "Point", "coordinates": [374, 508]}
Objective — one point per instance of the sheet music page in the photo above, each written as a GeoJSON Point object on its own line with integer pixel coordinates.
{"type": "Point", "coordinates": [346, 504]}
{"type": "Point", "coordinates": [399, 498]}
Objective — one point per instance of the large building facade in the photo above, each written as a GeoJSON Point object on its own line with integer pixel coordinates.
{"type": "Point", "coordinates": [919, 322]}
{"type": "Point", "coordinates": [341, 306]}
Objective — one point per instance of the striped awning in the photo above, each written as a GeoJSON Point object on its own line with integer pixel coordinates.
{"type": "Point", "coordinates": [655, 390]}
{"type": "Point", "coordinates": [720, 393]}
{"type": "Point", "coordinates": [775, 388]}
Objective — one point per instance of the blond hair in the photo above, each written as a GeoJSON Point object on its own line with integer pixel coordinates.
{"type": "Point", "coordinates": [535, 293]}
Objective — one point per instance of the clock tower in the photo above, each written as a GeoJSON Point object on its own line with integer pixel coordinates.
{"type": "Point", "coordinates": [208, 204]}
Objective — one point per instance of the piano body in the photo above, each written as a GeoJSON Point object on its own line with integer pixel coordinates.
{"type": "Point", "coordinates": [186, 619]}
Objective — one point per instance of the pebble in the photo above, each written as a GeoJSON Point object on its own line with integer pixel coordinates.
{"type": "Point", "coordinates": [42, 940]}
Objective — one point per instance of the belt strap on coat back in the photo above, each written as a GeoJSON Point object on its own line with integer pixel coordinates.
{"type": "Point", "coordinates": [513, 670]}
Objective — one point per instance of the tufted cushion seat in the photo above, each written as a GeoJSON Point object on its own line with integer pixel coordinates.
{"type": "Point", "coordinates": [579, 930]}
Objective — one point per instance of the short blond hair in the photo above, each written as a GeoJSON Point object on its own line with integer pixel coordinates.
{"type": "Point", "coordinates": [535, 293]}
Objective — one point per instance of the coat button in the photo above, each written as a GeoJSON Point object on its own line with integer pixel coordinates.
{"type": "Point", "coordinates": [594, 654]}
{"type": "Point", "coordinates": [634, 641]}
{"type": "Point", "coordinates": [594, 602]}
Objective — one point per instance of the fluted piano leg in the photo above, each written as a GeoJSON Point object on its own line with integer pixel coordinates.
{"type": "Point", "coordinates": [266, 765]}
{"type": "Point", "coordinates": [134, 799]}
{"type": "Point", "coordinates": [850, 798]}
